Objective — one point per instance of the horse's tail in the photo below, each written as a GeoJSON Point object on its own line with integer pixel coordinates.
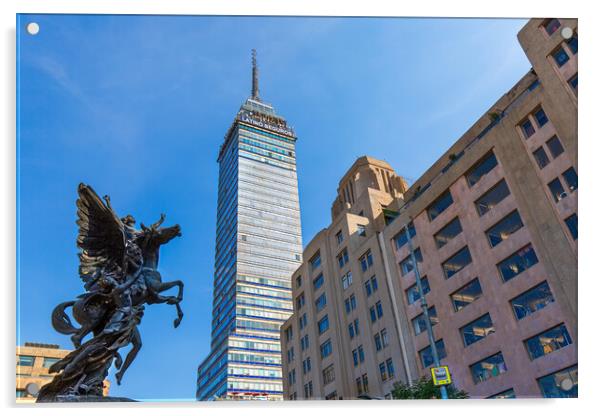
{"type": "Point", "coordinates": [61, 321]}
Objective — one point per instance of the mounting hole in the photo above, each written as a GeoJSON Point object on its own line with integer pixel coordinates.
{"type": "Point", "coordinates": [33, 28]}
{"type": "Point", "coordinates": [566, 32]}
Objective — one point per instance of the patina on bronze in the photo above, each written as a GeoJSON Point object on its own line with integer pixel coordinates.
{"type": "Point", "coordinates": [118, 265]}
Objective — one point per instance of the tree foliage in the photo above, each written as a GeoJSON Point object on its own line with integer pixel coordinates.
{"type": "Point", "coordinates": [424, 389]}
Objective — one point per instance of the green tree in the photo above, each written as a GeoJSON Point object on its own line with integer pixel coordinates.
{"type": "Point", "coordinates": [424, 389]}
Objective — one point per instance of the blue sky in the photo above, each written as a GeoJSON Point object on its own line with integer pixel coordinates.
{"type": "Point", "coordinates": [137, 106]}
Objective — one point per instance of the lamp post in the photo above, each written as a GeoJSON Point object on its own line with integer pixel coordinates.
{"type": "Point", "coordinates": [423, 304]}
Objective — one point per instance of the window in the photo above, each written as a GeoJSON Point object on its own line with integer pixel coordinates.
{"type": "Point", "coordinates": [360, 352]}
{"type": "Point", "coordinates": [358, 385]}
{"type": "Point", "coordinates": [25, 360]}
{"type": "Point", "coordinates": [300, 300]}
{"type": "Point", "coordinates": [492, 197]}
{"type": "Point", "coordinates": [347, 280]}
{"type": "Point", "coordinates": [426, 354]}
{"type": "Point", "coordinates": [383, 371]}
{"type": "Point", "coordinates": [48, 361]}
{"type": "Point", "coordinates": [477, 329]}
{"type": "Point", "coordinates": [560, 56]}
{"type": "Point", "coordinates": [561, 384]}
{"type": "Point", "coordinates": [456, 262]}
{"type": "Point", "coordinates": [572, 43]}
{"type": "Point", "coordinates": [290, 354]}
{"type": "Point", "coordinates": [551, 26]}
{"type": "Point", "coordinates": [548, 341]}
{"type": "Point", "coordinates": [328, 374]}
{"type": "Point", "coordinates": [379, 309]}
{"type": "Point", "coordinates": [303, 321]}
{"type": "Point", "coordinates": [350, 304]}
{"type": "Point", "coordinates": [308, 390]}
{"type": "Point", "coordinates": [315, 261]}
{"type": "Point", "coordinates": [439, 205]}
{"type": "Point", "coordinates": [289, 333]}
{"type": "Point", "coordinates": [557, 190]}
{"type": "Point", "coordinates": [554, 146]}
{"type": "Point", "coordinates": [466, 294]}
{"type": "Point", "coordinates": [318, 281]}
{"type": "Point", "coordinates": [481, 168]}
{"type": "Point", "coordinates": [571, 224]}
{"type": "Point", "coordinates": [385, 337]}
{"type": "Point", "coordinates": [354, 328]}
{"type": "Point", "coordinates": [366, 261]}
{"type": "Point", "coordinates": [488, 368]}
{"type": "Point", "coordinates": [298, 281]}
{"type": "Point", "coordinates": [361, 230]}
{"type": "Point", "coordinates": [570, 177]}
{"type": "Point", "coordinates": [506, 394]}
{"type": "Point", "coordinates": [517, 263]}
{"type": "Point", "coordinates": [325, 349]}
{"type": "Point", "coordinates": [541, 157]}
{"type": "Point", "coordinates": [291, 377]}
{"type": "Point", "coordinates": [339, 237]}
{"type": "Point", "coordinates": [371, 285]}
{"type": "Point", "coordinates": [358, 356]}
{"type": "Point", "coordinates": [401, 238]}
{"type": "Point", "coordinates": [378, 342]}
{"type": "Point", "coordinates": [573, 82]}
{"type": "Point", "coordinates": [365, 382]}
{"type": "Point", "coordinates": [407, 265]}
{"type": "Point", "coordinates": [413, 292]}
{"type": "Point", "coordinates": [504, 228]}
{"type": "Point", "coordinates": [343, 258]}
{"type": "Point", "coordinates": [331, 396]}
{"type": "Point", "coordinates": [355, 358]}
{"type": "Point", "coordinates": [304, 342]}
{"type": "Point", "coordinates": [527, 128]}
{"type": "Point", "coordinates": [540, 117]}
{"type": "Point", "coordinates": [321, 302]}
{"type": "Point", "coordinates": [372, 313]}
{"type": "Point", "coordinates": [532, 300]}
{"type": "Point", "coordinates": [390, 368]}
{"type": "Point", "coordinates": [419, 323]}
{"type": "Point", "coordinates": [447, 233]}
{"type": "Point", "coordinates": [323, 324]}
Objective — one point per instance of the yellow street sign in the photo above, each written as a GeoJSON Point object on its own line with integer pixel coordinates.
{"type": "Point", "coordinates": [441, 376]}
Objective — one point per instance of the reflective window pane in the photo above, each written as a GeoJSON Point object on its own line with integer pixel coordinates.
{"type": "Point", "coordinates": [488, 368]}
{"type": "Point", "coordinates": [477, 329]}
{"type": "Point", "coordinates": [492, 197]}
{"type": "Point", "coordinates": [541, 157]}
{"type": "Point", "coordinates": [561, 384]}
{"type": "Point", "coordinates": [456, 262]}
{"type": "Point", "coordinates": [532, 300]}
{"type": "Point", "coordinates": [527, 128]}
{"type": "Point", "coordinates": [419, 323]}
{"type": "Point", "coordinates": [413, 293]}
{"type": "Point", "coordinates": [560, 56]}
{"type": "Point", "coordinates": [504, 229]}
{"type": "Point", "coordinates": [439, 205]}
{"type": "Point", "coordinates": [400, 238]}
{"type": "Point", "coordinates": [506, 394]}
{"type": "Point", "coordinates": [572, 42]}
{"type": "Point", "coordinates": [551, 26]}
{"type": "Point", "coordinates": [571, 223]}
{"type": "Point", "coordinates": [448, 232]}
{"type": "Point", "coordinates": [517, 263]}
{"type": "Point", "coordinates": [570, 177]}
{"type": "Point", "coordinates": [481, 169]}
{"type": "Point", "coordinates": [466, 294]}
{"type": "Point", "coordinates": [557, 190]}
{"type": "Point", "coordinates": [554, 146]}
{"type": "Point", "coordinates": [426, 354]}
{"type": "Point", "coordinates": [549, 341]}
{"type": "Point", "coordinates": [540, 117]}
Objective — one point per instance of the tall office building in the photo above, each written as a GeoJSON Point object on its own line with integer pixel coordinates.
{"type": "Point", "coordinates": [258, 246]}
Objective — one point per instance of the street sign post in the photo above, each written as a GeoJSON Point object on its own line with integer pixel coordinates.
{"type": "Point", "coordinates": [441, 376]}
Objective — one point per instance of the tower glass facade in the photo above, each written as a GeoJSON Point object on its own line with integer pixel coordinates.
{"type": "Point", "coordinates": [258, 247]}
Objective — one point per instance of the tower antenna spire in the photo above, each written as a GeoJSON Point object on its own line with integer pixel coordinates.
{"type": "Point", "coordinates": [255, 85]}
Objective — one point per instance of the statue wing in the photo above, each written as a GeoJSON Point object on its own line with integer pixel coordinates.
{"type": "Point", "coordinates": [101, 236]}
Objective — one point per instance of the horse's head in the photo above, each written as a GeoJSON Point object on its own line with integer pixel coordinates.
{"type": "Point", "coordinates": [157, 235]}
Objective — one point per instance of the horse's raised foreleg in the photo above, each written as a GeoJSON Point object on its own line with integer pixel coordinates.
{"type": "Point", "coordinates": [136, 345]}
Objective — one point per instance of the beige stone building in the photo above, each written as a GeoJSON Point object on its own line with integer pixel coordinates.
{"type": "Point", "coordinates": [33, 361]}
{"type": "Point", "coordinates": [494, 228]}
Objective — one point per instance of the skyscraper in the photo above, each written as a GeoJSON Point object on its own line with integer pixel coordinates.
{"type": "Point", "coordinates": [258, 246]}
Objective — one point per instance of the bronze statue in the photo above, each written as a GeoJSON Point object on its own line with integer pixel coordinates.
{"type": "Point", "coordinates": [118, 265]}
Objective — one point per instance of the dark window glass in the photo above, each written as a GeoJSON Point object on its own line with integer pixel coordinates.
{"type": "Point", "coordinates": [573, 82]}
{"type": "Point", "coordinates": [488, 368]}
{"type": "Point", "coordinates": [532, 300]}
{"type": "Point", "coordinates": [541, 117]}
{"type": "Point", "coordinates": [448, 232]}
{"type": "Point", "coordinates": [407, 265]}
{"type": "Point", "coordinates": [466, 294]}
{"type": "Point", "coordinates": [572, 42]}
{"type": "Point", "coordinates": [426, 354]}
{"type": "Point", "coordinates": [560, 56]}
{"type": "Point", "coordinates": [419, 323]}
{"type": "Point", "coordinates": [551, 26]}
{"type": "Point", "coordinates": [504, 229]}
{"type": "Point", "coordinates": [561, 384]}
{"type": "Point", "coordinates": [439, 205]}
{"type": "Point", "coordinates": [527, 128]}
{"type": "Point", "coordinates": [506, 394]}
{"type": "Point", "coordinates": [315, 261]}
{"type": "Point", "coordinates": [555, 147]}
{"type": "Point", "coordinates": [400, 238]}
{"type": "Point", "coordinates": [456, 262]}
{"type": "Point", "coordinates": [318, 281]}
{"type": "Point", "coordinates": [557, 190]}
{"type": "Point", "coordinates": [325, 349]}
{"type": "Point", "coordinates": [492, 197]}
{"type": "Point", "coordinates": [533, 85]}
{"type": "Point", "coordinates": [339, 237]}
{"type": "Point", "coordinates": [570, 177]}
{"type": "Point", "coordinates": [481, 169]}
{"type": "Point", "coordinates": [541, 157]}
{"type": "Point", "coordinates": [517, 263]}
{"type": "Point", "coordinates": [323, 324]}
{"type": "Point", "coordinates": [321, 302]}
{"type": "Point", "coordinates": [549, 341]}
{"type": "Point", "coordinates": [413, 294]}
{"type": "Point", "coordinates": [571, 223]}
{"type": "Point", "coordinates": [477, 329]}
{"type": "Point", "coordinates": [25, 360]}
